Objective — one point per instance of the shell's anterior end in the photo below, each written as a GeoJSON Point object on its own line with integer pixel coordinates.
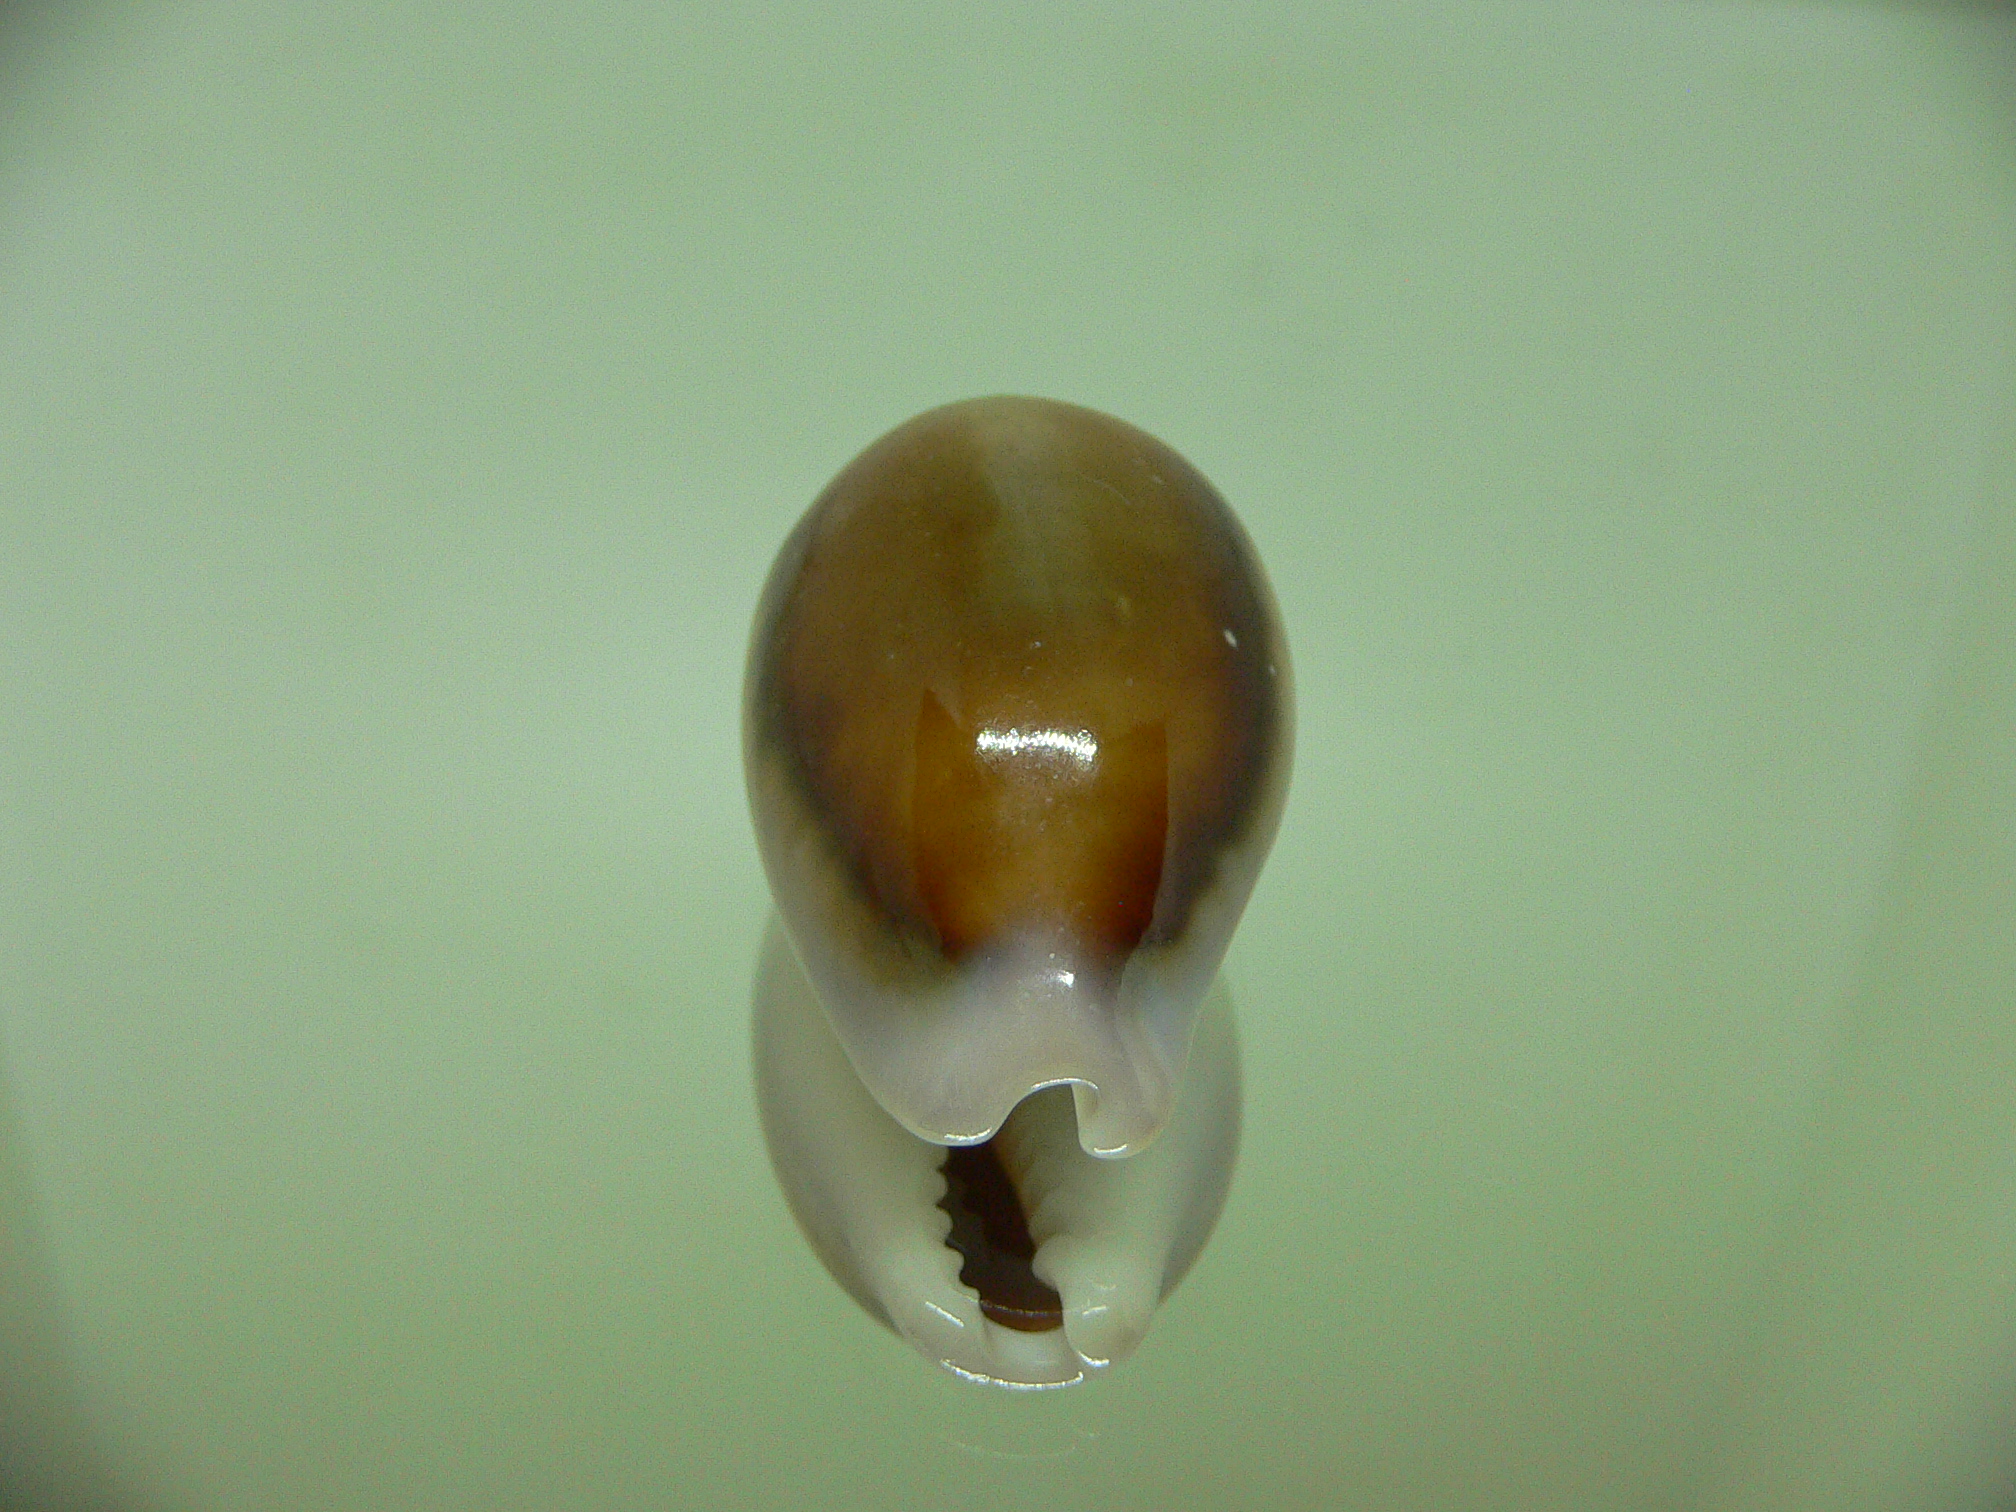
{"type": "Point", "coordinates": [980, 1378]}
{"type": "Point", "coordinates": [1078, 1251]}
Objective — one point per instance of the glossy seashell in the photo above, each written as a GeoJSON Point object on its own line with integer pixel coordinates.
{"type": "Point", "coordinates": [1017, 729]}
{"type": "Point", "coordinates": [1017, 740]}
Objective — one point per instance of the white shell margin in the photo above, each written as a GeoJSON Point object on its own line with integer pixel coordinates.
{"type": "Point", "coordinates": [1113, 1236]}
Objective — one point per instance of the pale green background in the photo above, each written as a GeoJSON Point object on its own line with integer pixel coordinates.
{"type": "Point", "coordinates": [398, 407]}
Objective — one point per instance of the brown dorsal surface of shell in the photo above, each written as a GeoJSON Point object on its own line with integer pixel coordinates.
{"type": "Point", "coordinates": [1022, 667]}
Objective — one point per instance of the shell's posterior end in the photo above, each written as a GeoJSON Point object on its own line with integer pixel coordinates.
{"type": "Point", "coordinates": [1108, 1129]}
{"type": "Point", "coordinates": [951, 1065]}
{"type": "Point", "coordinates": [1118, 1128]}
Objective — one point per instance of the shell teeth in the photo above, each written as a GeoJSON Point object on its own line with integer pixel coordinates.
{"type": "Point", "coordinates": [941, 1318]}
{"type": "Point", "coordinates": [1075, 1205]}
{"type": "Point", "coordinates": [917, 1279]}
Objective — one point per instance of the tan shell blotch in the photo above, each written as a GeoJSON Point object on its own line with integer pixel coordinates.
{"type": "Point", "coordinates": [1017, 708]}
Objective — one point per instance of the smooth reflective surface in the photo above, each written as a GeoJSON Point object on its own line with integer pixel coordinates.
{"type": "Point", "coordinates": [1017, 736]}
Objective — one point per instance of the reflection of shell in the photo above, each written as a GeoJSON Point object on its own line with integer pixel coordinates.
{"type": "Point", "coordinates": [1016, 732]}
{"type": "Point", "coordinates": [1111, 1237]}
